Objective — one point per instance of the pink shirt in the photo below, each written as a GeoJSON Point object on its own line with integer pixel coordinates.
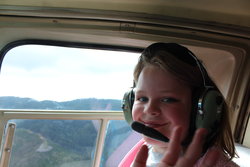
{"type": "Point", "coordinates": [129, 158]}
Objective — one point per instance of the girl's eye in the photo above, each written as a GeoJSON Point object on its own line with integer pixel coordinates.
{"type": "Point", "coordinates": [143, 99]}
{"type": "Point", "coordinates": [169, 100]}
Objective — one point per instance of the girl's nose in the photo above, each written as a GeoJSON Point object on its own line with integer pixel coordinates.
{"type": "Point", "coordinates": [152, 109]}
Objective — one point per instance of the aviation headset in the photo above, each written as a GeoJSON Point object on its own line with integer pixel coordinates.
{"type": "Point", "coordinates": [208, 102]}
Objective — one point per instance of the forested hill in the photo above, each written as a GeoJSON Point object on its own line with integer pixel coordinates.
{"type": "Point", "coordinates": [10, 102]}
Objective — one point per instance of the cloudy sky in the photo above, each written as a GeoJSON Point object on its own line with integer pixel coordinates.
{"type": "Point", "coordinates": [61, 74]}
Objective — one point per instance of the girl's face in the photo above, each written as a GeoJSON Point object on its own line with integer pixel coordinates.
{"type": "Point", "coordinates": [161, 102]}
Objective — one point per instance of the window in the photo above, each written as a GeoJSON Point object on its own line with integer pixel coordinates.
{"type": "Point", "coordinates": [51, 76]}
{"type": "Point", "coordinates": [60, 90]}
{"type": "Point", "coordinates": [119, 140]}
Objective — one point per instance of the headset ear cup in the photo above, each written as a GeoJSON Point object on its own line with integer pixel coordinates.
{"type": "Point", "coordinates": [192, 125]}
{"type": "Point", "coordinates": [127, 105]}
{"type": "Point", "coordinates": [209, 110]}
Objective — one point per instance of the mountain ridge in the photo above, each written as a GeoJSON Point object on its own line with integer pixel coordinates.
{"type": "Point", "coordinates": [12, 102]}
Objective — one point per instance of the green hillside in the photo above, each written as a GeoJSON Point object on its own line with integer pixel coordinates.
{"type": "Point", "coordinates": [62, 143]}
{"type": "Point", "coordinates": [25, 151]}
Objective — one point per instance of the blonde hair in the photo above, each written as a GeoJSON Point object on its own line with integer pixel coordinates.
{"type": "Point", "coordinates": [163, 56]}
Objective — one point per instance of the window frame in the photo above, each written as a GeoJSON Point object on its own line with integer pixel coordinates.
{"type": "Point", "coordinates": [103, 116]}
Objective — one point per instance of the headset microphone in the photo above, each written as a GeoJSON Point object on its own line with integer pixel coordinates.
{"type": "Point", "coordinates": [147, 131]}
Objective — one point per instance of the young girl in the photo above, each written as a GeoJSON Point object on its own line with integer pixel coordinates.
{"type": "Point", "coordinates": [170, 88]}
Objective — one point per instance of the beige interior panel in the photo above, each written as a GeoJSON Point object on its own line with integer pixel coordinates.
{"type": "Point", "coordinates": [224, 11]}
{"type": "Point", "coordinates": [247, 136]}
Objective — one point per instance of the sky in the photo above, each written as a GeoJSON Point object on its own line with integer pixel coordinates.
{"type": "Point", "coordinates": [62, 74]}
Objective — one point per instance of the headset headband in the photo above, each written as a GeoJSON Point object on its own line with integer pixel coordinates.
{"type": "Point", "coordinates": [181, 53]}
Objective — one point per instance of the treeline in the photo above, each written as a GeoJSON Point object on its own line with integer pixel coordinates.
{"type": "Point", "coordinates": [10, 102]}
